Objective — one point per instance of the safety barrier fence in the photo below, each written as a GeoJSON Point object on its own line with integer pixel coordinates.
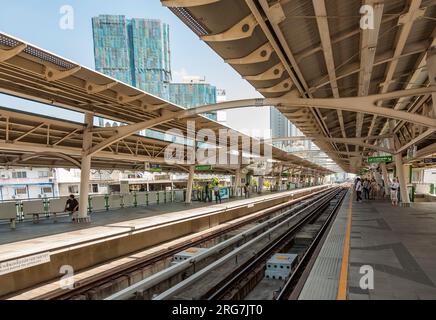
{"type": "Point", "coordinates": [96, 203]}
{"type": "Point", "coordinates": [19, 210]}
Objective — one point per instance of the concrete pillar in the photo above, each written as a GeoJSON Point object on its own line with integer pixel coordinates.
{"type": "Point", "coordinates": [190, 184]}
{"type": "Point", "coordinates": [385, 178]}
{"type": "Point", "coordinates": [431, 67]}
{"type": "Point", "coordinates": [290, 174]}
{"type": "Point", "coordinates": [85, 166]}
{"type": "Point", "coordinates": [237, 182]}
{"type": "Point", "coordinates": [279, 178]}
{"type": "Point", "coordinates": [405, 201]}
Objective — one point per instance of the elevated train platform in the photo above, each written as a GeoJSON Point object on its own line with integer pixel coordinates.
{"type": "Point", "coordinates": [397, 243]}
{"type": "Point", "coordinates": [114, 234]}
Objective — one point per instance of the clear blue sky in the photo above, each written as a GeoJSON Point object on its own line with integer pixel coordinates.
{"type": "Point", "coordinates": [37, 22]}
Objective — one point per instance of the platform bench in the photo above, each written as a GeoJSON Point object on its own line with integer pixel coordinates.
{"type": "Point", "coordinates": [8, 211]}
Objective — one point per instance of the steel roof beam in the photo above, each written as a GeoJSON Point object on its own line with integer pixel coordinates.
{"type": "Point", "coordinates": [406, 21]}
{"type": "Point", "coordinates": [186, 3]}
{"type": "Point", "coordinates": [324, 33]}
{"type": "Point", "coordinates": [6, 54]}
{"type": "Point", "coordinates": [275, 15]}
{"type": "Point", "coordinates": [368, 47]}
{"type": "Point", "coordinates": [366, 104]}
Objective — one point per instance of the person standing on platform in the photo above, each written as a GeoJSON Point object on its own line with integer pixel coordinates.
{"type": "Point", "coordinates": [72, 206]}
{"type": "Point", "coordinates": [394, 192]}
{"type": "Point", "coordinates": [207, 196]}
{"type": "Point", "coordinates": [365, 187]}
{"type": "Point", "coordinates": [382, 189]}
{"type": "Point", "coordinates": [373, 190]}
{"type": "Point", "coordinates": [217, 193]}
{"type": "Point", "coordinates": [247, 190]}
{"type": "Point", "coordinates": [358, 189]}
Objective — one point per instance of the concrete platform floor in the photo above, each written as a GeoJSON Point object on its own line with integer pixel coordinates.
{"type": "Point", "coordinates": [399, 244]}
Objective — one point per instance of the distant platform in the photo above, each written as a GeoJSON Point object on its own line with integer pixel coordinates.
{"type": "Point", "coordinates": [47, 234]}
{"type": "Point", "coordinates": [34, 253]}
{"type": "Point", "coordinates": [399, 244]}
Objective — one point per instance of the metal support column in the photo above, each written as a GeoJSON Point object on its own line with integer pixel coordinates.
{"type": "Point", "coordinates": [431, 67]}
{"type": "Point", "coordinates": [85, 166]}
{"type": "Point", "coordinates": [190, 184]}
{"type": "Point", "coordinates": [385, 178]}
{"type": "Point", "coordinates": [279, 178]}
{"type": "Point", "coordinates": [237, 182]}
{"type": "Point", "coordinates": [405, 201]}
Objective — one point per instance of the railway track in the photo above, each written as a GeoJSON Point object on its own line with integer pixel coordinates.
{"type": "Point", "coordinates": [246, 251]}
{"type": "Point", "coordinates": [83, 288]}
{"type": "Point", "coordinates": [220, 282]}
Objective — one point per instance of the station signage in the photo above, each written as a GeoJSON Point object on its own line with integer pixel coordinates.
{"type": "Point", "coordinates": [155, 168]}
{"type": "Point", "coordinates": [429, 160]}
{"type": "Point", "coordinates": [379, 159]}
{"type": "Point", "coordinates": [203, 167]}
{"type": "Point", "coordinates": [24, 263]}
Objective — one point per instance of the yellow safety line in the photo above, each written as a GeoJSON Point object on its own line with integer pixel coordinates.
{"type": "Point", "coordinates": [343, 279]}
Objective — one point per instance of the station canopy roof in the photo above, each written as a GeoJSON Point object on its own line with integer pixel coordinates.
{"type": "Point", "coordinates": [29, 72]}
{"type": "Point", "coordinates": [319, 49]}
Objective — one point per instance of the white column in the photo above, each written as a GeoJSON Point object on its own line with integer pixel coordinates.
{"type": "Point", "coordinates": [279, 178]}
{"type": "Point", "coordinates": [405, 202]}
{"type": "Point", "coordinates": [85, 166]}
{"type": "Point", "coordinates": [237, 182]}
{"type": "Point", "coordinates": [190, 184]}
{"type": "Point", "coordinates": [290, 174]}
{"type": "Point", "coordinates": [431, 67]}
{"type": "Point", "coordinates": [385, 178]}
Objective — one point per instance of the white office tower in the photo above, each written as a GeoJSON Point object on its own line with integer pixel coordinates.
{"type": "Point", "coordinates": [221, 97]}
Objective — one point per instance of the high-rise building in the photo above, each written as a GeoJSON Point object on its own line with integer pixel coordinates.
{"type": "Point", "coordinates": [221, 96]}
{"type": "Point", "coordinates": [134, 51]}
{"type": "Point", "coordinates": [137, 52]}
{"type": "Point", "coordinates": [281, 127]}
{"type": "Point", "coordinates": [279, 124]}
{"type": "Point", "coordinates": [193, 92]}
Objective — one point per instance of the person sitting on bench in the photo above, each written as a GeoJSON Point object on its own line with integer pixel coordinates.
{"type": "Point", "coordinates": [72, 206]}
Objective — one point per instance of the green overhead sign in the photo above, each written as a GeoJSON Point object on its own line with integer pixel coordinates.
{"type": "Point", "coordinates": [379, 159]}
{"type": "Point", "coordinates": [204, 167]}
{"type": "Point", "coordinates": [155, 168]}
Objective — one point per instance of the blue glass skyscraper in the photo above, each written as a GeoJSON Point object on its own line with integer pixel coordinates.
{"type": "Point", "coordinates": [134, 51]}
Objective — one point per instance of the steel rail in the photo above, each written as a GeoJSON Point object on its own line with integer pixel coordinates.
{"type": "Point", "coordinates": [293, 287]}
{"type": "Point", "coordinates": [182, 266]}
{"type": "Point", "coordinates": [222, 288]}
{"type": "Point", "coordinates": [172, 291]}
{"type": "Point", "coordinates": [104, 277]}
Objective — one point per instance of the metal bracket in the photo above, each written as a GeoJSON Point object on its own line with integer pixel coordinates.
{"type": "Point", "coordinates": [261, 54]}
{"type": "Point", "coordinates": [54, 75]}
{"type": "Point", "coordinates": [186, 3]}
{"type": "Point", "coordinates": [243, 29]}
{"type": "Point", "coordinates": [93, 88]}
{"type": "Point", "coordinates": [283, 86]}
{"type": "Point", "coordinates": [6, 54]}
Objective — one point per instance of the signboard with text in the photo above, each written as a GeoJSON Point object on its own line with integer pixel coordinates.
{"type": "Point", "coordinates": [379, 159]}
{"type": "Point", "coordinates": [155, 168]}
{"type": "Point", "coordinates": [429, 160]}
{"type": "Point", "coordinates": [203, 167]}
